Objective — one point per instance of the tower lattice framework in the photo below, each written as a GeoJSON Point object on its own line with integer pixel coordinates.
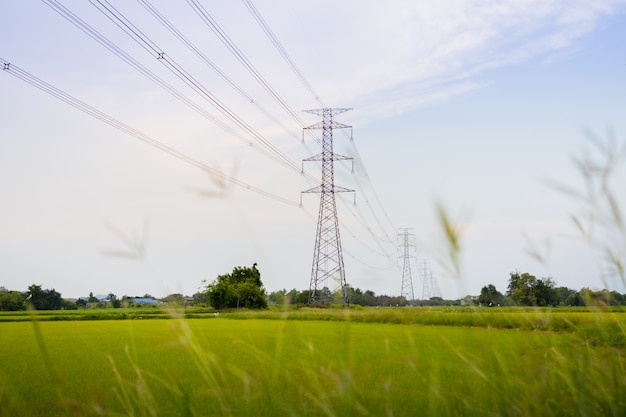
{"type": "Point", "coordinates": [327, 255]}
{"type": "Point", "coordinates": [430, 288]}
{"type": "Point", "coordinates": [407, 240]}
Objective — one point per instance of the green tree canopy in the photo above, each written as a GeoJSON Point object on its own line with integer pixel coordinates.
{"type": "Point", "coordinates": [240, 288]}
{"type": "Point", "coordinates": [44, 299]}
{"type": "Point", "coordinates": [526, 290]}
{"type": "Point", "coordinates": [11, 301]}
{"type": "Point", "coordinates": [490, 296]}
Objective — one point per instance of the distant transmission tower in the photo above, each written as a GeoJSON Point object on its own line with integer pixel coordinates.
{"type": "Point", "coordinates": [407, 242]}
{"type": "Point", "coordinates": [327, 255]}
{"type": "Point", "coordinates": [429, 284]}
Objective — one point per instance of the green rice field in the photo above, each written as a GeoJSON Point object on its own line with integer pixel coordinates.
{"type": "Point", "coordinates": [369, 362]}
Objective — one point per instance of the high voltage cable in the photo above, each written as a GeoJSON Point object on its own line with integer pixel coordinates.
{"type": "Point", "coordinates": [79, 23]}
{"type": "Point", "coordinates": [145, 42]}
{"type": "Point", "coordinates": [389, 240]}
{"type": "Point", "coordinates": [366, 264]}
{"type": "Point", "coordinates": [82, 106]}
{"type": "Point", "coordinates": [206, 17]}
{"type": "Point", "coordinates": [202, 56]}
{"type": "Point", "coordinates": [283, 52]}
{"type": "Point", "coordinates": [189, 80]}
{"type": "Point", "coordinates": [369, 181]}
{"type": "Point", "coordinates": [277, 44]}
{"type": "Point", "coordinates": [354, 236]}
{"type": "Point", "coordinates": [358, 215]}
{"type": "Point", "coordinates": [312, 218]}
{"type": "Point", "coordinates": [98, 37]}
{"type": "Point", "coordinates": [221, 34]}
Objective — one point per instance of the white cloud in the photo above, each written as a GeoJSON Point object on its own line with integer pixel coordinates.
{"type": "Point", "coordinates": [383, 49]}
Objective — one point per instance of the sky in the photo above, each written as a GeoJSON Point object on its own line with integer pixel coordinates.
{"type": "Point", "coordinates": [476, 108]}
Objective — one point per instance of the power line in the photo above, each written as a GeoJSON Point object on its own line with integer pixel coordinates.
{"type": "Point", "coordinates": [369, 182]}
{"type": "Point", "coordinates": [215, 68]}
{"type": "Point", "coordinates": [140, 38]}
{"type": "Point", "coordinates": [80, 105]}
{"type": "Point", "coordinates": [102, 40]}
{"type": "Point", "coordinates": [165, 59]}
{"type": "Point", "coordinates": [212, 24]}
{"type": "Point", "coordinates": [283, 52]}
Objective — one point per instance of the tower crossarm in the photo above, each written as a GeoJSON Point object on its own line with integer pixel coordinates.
{"type": "Point", "coordinates": [335, 111]}
{"type": "Point", "coordinates": [335, 189]}
{"type": "Point", "coordinates": [323, 125]}
{"type": "Point", "coordinates": [335, 156]}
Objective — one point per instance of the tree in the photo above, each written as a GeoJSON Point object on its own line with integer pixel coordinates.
{"type": "Point", "coordinates": [520, 289]}
{"type": "Point", "coordinates": [278, 297]}
{"type": "Point", "coordinates": [302, 297]}
{"type": "Point", "coordinates": [44, 299]}
{"type": "Point", "coordinates": [176, 299]}
{"type": "Point", "coordinates": [490, 296]}
{"type": "Point", "coordinates": [545, 293]}
{"type": "Point", "coordinates": [562, 295]}
{"type": "Point", "coordinates": [200, 298]}
{"type": "Point", "coordinates": [355, 295]}
{"type": "Point", "coordinates": [11, 301]}
{"type": "Point", "coordinates": [240, 288]}
{"type": "Point", "coordinates": [526, 290]}
{"type": "Point", "coordinates": [369, 298]}
{"type": "Point", "coordinates": [616, 299]}
{"type": "Point", "coordinates": [574, 300]}
{"type": "Point", "coordinates": [115, 302]}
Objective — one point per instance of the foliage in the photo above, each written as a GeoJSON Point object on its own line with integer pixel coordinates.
{"type": "Point", "coordinates": [115, 302]}
{"type": "Point", "coordinates": [44, 299]}
{"type": "Point", "coordinates": [175, 299]}
{"type": "Point", "coordinates": [240, 289]}
{"type": "Point", "coordinates": [526, 290]}
{"type": "Point", "coordinates": [490, 296]}
{"type": "Point", "coordinates": [11, 301]}
{"type": "Point", "coordinates": [200, 298]}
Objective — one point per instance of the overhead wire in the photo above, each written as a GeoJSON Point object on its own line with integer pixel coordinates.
{"type": "Point", "coordinates": [283, 52]}
{"type": "Point", "coordinates": [150, 8]}
{"type": "Point", "coordinates": [113, 48]}
{"type": "Point", "coordinates": [313, 219]}
{"type": "Point", "coordinates": [146, 43]}
{"type": "Point", "coordinates": [371, 186]}
{"type": "Point", "coordinates": [82, 106]}
{"type": "Point", "coordinates": [212, 24]}
{"type": "Point", "coordinates": [102, 40]}
{"type": "Point", "coordinates": [151, 47]}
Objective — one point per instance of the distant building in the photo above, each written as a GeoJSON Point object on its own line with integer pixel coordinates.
{"type": "Point", "coordinates": [142, 300]}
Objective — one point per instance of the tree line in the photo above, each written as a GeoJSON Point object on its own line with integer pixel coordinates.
{"type": "Point", "coordinates": [49, 299]}
{"type": "Point", "coordinates": [524, 289]}
{"type": "Point", "coordinates": [243, 288]}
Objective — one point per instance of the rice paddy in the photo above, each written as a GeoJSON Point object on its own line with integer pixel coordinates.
{"type": "Point", "coordinates": [368, 362]}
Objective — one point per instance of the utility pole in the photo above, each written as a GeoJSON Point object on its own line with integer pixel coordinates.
{"type": "Point", "coordinates": [408, 241]}
{"type": "Point", "coordinates": [327, 255]}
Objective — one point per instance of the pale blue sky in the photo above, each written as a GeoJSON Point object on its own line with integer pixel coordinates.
{"type": "Point", "coordinates": [475, 104]}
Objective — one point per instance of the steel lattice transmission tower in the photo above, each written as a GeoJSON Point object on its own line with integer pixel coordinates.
{"type": "Point", "coordinates": [407, 242]}
{"type": "Point", "coordinates": [429, 283]}
{"type": "Point", "coordinates": [327, 255]}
